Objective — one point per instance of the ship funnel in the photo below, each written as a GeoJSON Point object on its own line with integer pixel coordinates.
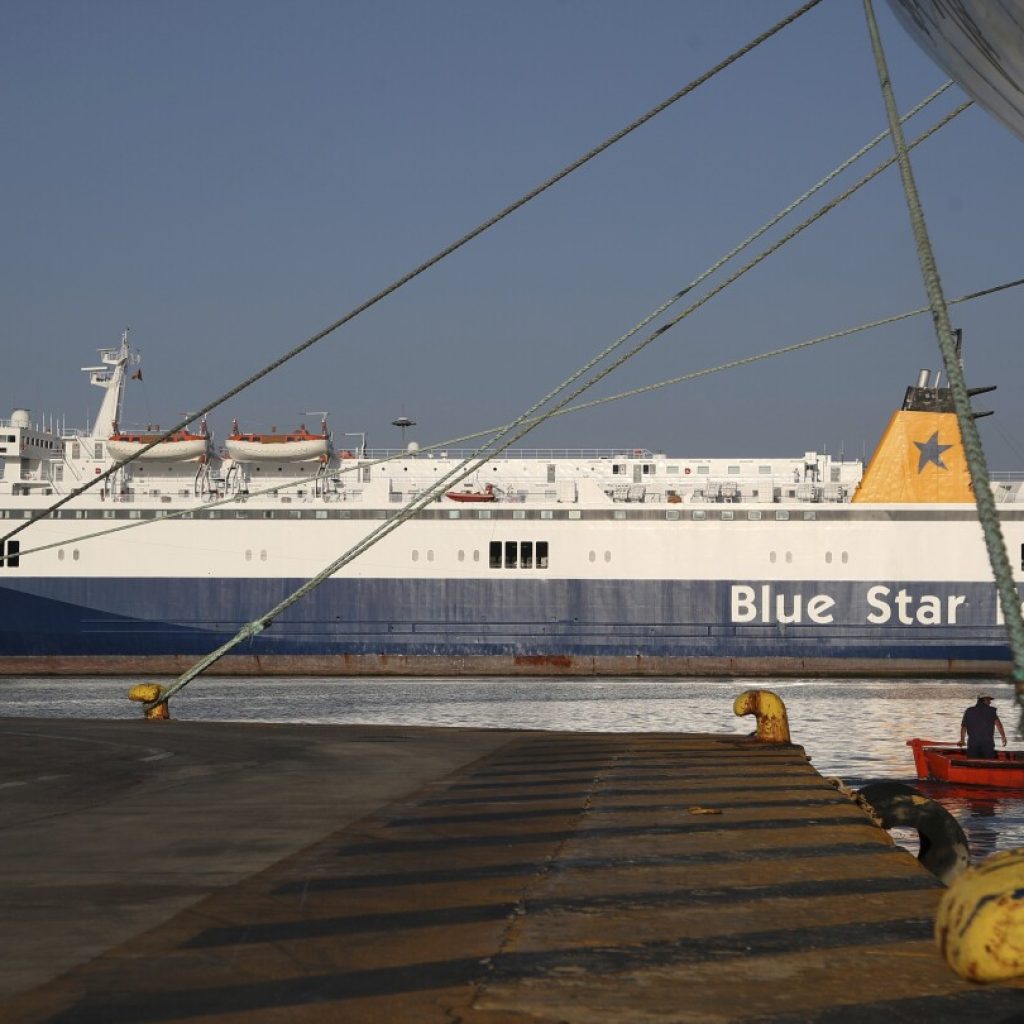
{"type": "Point", "coordinates": [922, 378]}
{"type": "Point", "coordinates": [19, 418]}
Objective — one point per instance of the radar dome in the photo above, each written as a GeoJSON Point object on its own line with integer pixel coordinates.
{"type": "Point", "coordinates": [412, 447]}
{"type": "Point", "coordinates": [19, 418]}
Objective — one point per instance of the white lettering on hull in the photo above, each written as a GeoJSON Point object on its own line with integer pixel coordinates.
{"type": "Point", "coordinates": [762, 605]}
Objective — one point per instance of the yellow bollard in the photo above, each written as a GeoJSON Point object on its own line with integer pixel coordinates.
{"type": "Point", "coordinates": [980, 924]}
{"type": "Point", "coordinates": [147, 693]}
{"type": "Point", "coordinates": [772, 723]}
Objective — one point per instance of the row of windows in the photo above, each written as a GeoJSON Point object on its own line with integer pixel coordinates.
{"type": "Point", "coordinates": [518, 554]}
{"type": "Point", "coordinates": [697, 515]}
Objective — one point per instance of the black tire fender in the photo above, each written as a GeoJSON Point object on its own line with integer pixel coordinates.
{"type": "Point", "coordinates": [944, 850]}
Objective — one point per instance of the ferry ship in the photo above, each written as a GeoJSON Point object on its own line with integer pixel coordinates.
{"type": "Point", "coordinates": [629, 562]}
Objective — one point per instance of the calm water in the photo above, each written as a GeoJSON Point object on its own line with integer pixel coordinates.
{"type": "Point", "coordinates": [856, 730]}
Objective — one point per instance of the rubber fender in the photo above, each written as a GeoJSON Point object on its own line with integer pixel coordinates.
{"type": "Point", "coordinates": [943, 850]}
{"type": "Point", "coordinates": [979, 927]}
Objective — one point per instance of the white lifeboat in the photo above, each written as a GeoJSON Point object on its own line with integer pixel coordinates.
{"type": "Point", "coordinates": [299, 446]}
{"type": "Point", "coordinates": [181, 446]}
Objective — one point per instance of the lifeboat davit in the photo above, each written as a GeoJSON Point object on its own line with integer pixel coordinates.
{"type": "Point", "coordinates": [487, 494]}
{"type": "Point", "coordinates": [299, 446]}
{"type": "Point", "coordinates": [180, 446]}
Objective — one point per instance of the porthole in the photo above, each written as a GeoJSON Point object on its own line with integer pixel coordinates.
{"type": "Point", "coordinates": [462, 556]}
{"type": "Point", "coordinates": [593, 556]}
{"type": "Point", "coordinates": [607, 556]}
{"type": "Point", "coordinates": [430, 556]}
{"type": "Point", "coordinates": [415, 556]}
{"type": "Point", "coordinates": [476, 556]}
{"type": "Point", "coordinates": [248, 555]}
{"type": "Point", "coordinates": [772, 557]}
{"type": "Point", "coordinates": [846, 557]}
{"type": "Point", "coordinates": [789, 556]}
{"type": "Point", "coordinates": [60, 555]}
{"type": "Point", "coordinates": [828, 557]}
{"type": "Point", "coordinates": [263, 556]}
{"type": "Point", "coordinates": [74, 554]}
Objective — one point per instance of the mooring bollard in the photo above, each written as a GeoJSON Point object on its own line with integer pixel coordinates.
{"type": "Point", "coordinates": [980, 924]}
{"type": "Point", "coordinates": [767, 707]}
{"type": "Point", "coordinates": [147, 693]}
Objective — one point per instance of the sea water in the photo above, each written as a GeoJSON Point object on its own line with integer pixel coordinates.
{"type": "Point", "coordinates": [854, 729]}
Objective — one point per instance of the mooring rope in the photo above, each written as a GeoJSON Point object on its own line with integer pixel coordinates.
{"type": "Point", "coordinates": [435, 259]}
{"type": "Point", "coordinates": [976, 464]}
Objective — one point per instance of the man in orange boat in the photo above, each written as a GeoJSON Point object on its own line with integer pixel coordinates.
{"type": "Point", "coordinates": [979, 725]}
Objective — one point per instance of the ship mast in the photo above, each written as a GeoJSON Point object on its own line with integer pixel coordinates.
{"type": "Point", "coordinates": [111, 377]}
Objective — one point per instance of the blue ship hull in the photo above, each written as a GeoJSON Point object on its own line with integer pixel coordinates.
{"type": "Point", "coordinates": [446, 626]}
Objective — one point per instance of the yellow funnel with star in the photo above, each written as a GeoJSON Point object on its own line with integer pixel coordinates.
{"type": "Point", "coordinates": [919, 459]}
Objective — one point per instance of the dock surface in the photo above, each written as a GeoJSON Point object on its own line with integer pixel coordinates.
{"type": "Point", "coordinates": [215, 872]}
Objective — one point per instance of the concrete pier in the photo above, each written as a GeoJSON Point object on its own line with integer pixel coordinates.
{"type": "Point", "coordinates": [176, 871]}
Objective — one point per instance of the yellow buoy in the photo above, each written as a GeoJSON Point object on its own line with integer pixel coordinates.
{"type": "Point", "coordinates": [149, 693]}
{"type": "Point", "coordinates": [980, 924]}
{"type": "Point", "coordinates": [770, 712]}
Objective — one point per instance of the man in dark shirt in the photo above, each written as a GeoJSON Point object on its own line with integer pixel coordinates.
{"type": "Point", "coordinates": [979, 725]}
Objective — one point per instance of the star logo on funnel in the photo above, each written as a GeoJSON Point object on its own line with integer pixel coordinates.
{"type": "Point", "coordinates": [931, 451]}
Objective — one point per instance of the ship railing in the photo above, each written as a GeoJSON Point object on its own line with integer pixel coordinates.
{"type": "Point", "coordinates": [531, 454]}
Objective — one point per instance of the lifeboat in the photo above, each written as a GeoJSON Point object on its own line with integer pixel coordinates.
{"type": "Point", "coordinates": [487, 494]}
{"type": "Point", "coordinates": [299, 446]}
{"type": "Point", "coordinates": [947, 762]}
{"type": "Point", "coordinates": [178, 447]}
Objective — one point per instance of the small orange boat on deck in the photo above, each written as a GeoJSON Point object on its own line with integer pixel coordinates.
{"type": "Point", "coordinates": [487, 494]}
{"type": "Point", "coordinates": [948, 762]}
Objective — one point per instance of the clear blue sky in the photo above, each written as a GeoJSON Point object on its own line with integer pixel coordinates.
{"type": "Point", "coordinates": [227, 177]}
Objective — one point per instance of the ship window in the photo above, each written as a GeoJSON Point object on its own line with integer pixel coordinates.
{"type": "Point", "coordinates": [703, 470]}
{"type": "Point", "coordinates": [574, 513]}
{"type": "Point", "coordinates": [809, 514]}
{"type": "Point", "coordinates": [321, 513]}
{"type": "Point", "coordinates": [1022, 557]}
{"type": "Point", "coordinates": [828, 557]}
{"type": "Point", "coordinates": [519, 513]}
{"type": "Point", "coordinates": [415, 556]}
{"type": "Point", "coordinates": [542, 554]}
{"type": "Point", "coordinates": [484, 513]}
{"type": "Point", "coordinates": [76, 450]}
{"type": "Point", "coordinates": [781, 516]}
{"type": "Point", "coordinates": [593, 556]}
{"type": "Point", "coordinates": [607, 556]}
{"type": "Point", "coordinates": [511, 551]}
{"type": "Point", "coordinates": [526, 554]}
{"type": "Point", "coordinates": [733, 471]}
{"type": "Point", "coordinates": [476, 556]}
{"type": "Point", "coordinates": [618, 514]}
{"type": "Point", "coordinates": [546, 513]}
{"type": "Point", "coordinates": [60, 555]}
{"type": "Point", "coordinates": [765, 470]}
{"type": "Point", "coordinates": [700, 514]}
{"type": "Point", "coordinates": [13, 552]}
{"type": "Point", "coordinates": [846, 557]}
{"type": "Point", "coordinates": [248, 554]}
{"type": "Point", "coordinates": [453, 513]}
{"type": "Point", "coordinates": [772, 557]}
{"type": "Point", "coordinates": [672, 513]}
{"type": "Point", "coordinates": [74, 554]}
{"type": "Point", "coordinates": [462, 556]}
{"type": "Point", "coordinates": [672, 470]}
{"type": "Point", "coordinates": [430, 556]}
{"type": "Point", "coordinates": [789, 556]}
{"type": "Point", "coordinates": [753, 515]}
{"type": "Point", "coordinates": [728, 514]}
{"type": "Point", "coordinates": [268, 513]}
{"type": "Point", "coordinates": [495, 554]}
{"type": "Point", "coordinates": [134, 514]}
{"type": "Point", "coordinates": [97, 450]}
{"type": "Point", "coordinates": [551, 474]}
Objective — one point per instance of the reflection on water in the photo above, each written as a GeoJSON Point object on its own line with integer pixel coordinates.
{"type": "Point", "coordinates": [854, 729]}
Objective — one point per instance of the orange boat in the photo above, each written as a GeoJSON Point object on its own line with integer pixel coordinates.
{"type": "Point", "coordinates": [948, 762]}
{"type": "Point", "coordinates": [487, 494]}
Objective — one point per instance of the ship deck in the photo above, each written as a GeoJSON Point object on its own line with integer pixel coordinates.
{"type": "Point", "coordinates": [159, 871]}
